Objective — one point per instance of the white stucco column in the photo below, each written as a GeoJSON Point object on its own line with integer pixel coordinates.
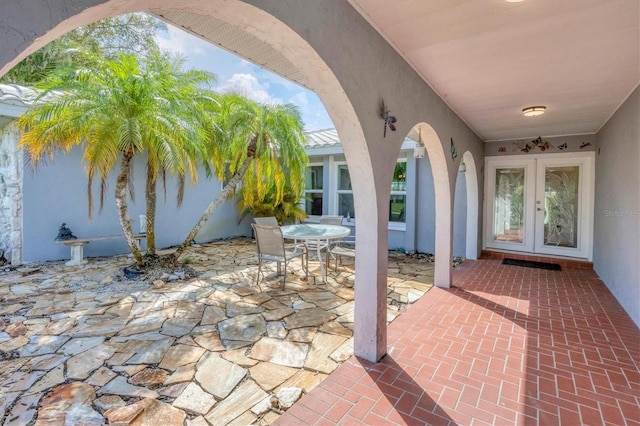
{"type": "Point", "coordinates": [370, 313]}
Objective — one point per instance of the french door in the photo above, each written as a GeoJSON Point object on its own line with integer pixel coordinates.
{"type": "Point", "coordinates": [540, 204]}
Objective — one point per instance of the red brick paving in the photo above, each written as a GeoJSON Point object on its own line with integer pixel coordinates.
{"type": "Point", "coordinates": [506, 345]}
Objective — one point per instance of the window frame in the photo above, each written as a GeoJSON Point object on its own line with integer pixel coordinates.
{"type": "Point", "coordinates": [314, 191]}
{"type": "Point", "coordinates": [335, 192]}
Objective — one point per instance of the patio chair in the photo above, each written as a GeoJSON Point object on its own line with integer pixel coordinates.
{"type": "Point", "coordinates": [269, 220]}
{"type": "Point", "coordinates": [331, 220]}
{"type": "Point", "coordinates": [314, 246]}
{"type": "Point", "coordinates": [271, 248]}
{"type": "Point", "coordinates": [344, 247]}
{"type": "Point", "coordinates": [272, 221]}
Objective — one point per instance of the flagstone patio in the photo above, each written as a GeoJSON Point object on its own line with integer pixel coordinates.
{"type": "Point", "coordinates": [83, 344]}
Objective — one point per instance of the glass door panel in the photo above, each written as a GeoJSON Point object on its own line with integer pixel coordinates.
{"type": "Point", "coordinates": [564, 207]}
{"type": "Point", "coordinates": [510, 202]}
{"type": "Point", "coordinates": [561, 193]}
{"type": "Point", "coordinates": [508, 216]}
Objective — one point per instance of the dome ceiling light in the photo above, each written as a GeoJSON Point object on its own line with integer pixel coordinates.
{"type": "Point", "coordinates": [532, 111]}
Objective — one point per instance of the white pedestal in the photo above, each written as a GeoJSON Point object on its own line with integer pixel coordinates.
{"type": "Point", "coordinates": [77, 252]}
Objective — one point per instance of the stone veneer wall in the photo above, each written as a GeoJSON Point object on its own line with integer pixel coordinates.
{"type": "Point", "coordinates": [11, 194]}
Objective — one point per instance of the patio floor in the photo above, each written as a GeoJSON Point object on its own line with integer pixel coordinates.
{"type": "Point", "coordinates": [84, 345]}
{"type": "Point", "coordinates": [507, 345]}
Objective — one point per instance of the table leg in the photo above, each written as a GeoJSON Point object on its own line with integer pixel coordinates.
{"type": "Point", "coordinates": [322, 271]}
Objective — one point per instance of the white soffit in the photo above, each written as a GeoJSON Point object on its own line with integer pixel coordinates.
{"type": "Point", "coordinates": [488, 59]}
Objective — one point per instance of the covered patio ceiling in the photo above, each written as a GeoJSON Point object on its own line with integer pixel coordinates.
{"type": "Point", "coordinates": [490, 59]}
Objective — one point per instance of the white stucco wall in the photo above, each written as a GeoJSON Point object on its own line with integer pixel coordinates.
{"type": "Point", "coordinates": [616, 250]}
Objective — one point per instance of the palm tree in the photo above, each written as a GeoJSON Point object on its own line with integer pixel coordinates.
{"type": "Point", "coordinates": [262, 147]}
{"type": "Point", "coordinates": [118, 109]}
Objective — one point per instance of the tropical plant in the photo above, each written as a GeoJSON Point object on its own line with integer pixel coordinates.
{"type": "Point", "coordinates": [133, 33]}
{"type": "Point", "coordinates": [118, 109]}
{"type": "Point", "coordinates": [261, 146]}
{"type": "Point", "coordinates": [288, 209]}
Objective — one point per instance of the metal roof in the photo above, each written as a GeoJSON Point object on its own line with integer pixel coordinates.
{"type": "Point", "coordinates": [326, 141]}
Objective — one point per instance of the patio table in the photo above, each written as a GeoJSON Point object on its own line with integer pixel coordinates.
{"type": "Point", "coordinates": [318, 233]}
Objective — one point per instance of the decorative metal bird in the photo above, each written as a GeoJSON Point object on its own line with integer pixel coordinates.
{"type": "Point", "coordinates": [454, 151]}
{"type": "Point", "coordinates": [388, 119]}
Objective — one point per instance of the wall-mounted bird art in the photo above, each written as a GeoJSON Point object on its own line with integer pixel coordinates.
{"type": "Point", "coordinates": [389, 120]}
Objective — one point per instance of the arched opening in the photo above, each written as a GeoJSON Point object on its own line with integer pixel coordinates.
{"type": "Point", "coordinates": [370, 323]}
{"type": "Point", "coordinates": [460, 213]}
{"type": "Point", "coordinates": [441, 210]}
{"type": "Point", "coordinates": [473, 197]}
{"type": "Point", "coordinates": [465, 210]}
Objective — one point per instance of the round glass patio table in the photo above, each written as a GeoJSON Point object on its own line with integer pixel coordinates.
{"type": "Point", "coordinates": [318, 234]}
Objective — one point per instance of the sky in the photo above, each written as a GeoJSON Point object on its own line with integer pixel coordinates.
{"type": "Point", "coordinates": [237, 74]}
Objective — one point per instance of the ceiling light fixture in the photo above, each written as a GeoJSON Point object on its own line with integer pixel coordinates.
{"type": "Point", "coordinates": [532, 111]}
{"type": "Point", "coordinates": [514, 1]}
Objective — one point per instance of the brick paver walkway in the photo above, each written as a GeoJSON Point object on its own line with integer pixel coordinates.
{"type": "Point", "coordinates": [507, 345]}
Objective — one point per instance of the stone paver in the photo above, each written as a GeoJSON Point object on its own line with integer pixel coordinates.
{"type": "Point", "coordinates": [269, 376]}
{"type": "Point", "coordinates": [84, 343]}
{"type": "Point", "coordinates": [69, 404]}
{"type": "Point", "coordinates": [195, 400]}
{"type": "Point", "coordinates": [217, 375]}
{"type": "Point", "coordinates": [241, 400]}
{"type": "Point", "coordinates": [281, 352]}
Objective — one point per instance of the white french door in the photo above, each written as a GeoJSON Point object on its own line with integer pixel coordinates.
{"type": "Point", "coordinates": [540, 204]}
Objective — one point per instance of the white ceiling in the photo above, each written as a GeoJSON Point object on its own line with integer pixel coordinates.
{"type": "Point", "coordinates": [488, 59]}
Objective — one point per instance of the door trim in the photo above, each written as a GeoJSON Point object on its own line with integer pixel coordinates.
{"type": "Point", "coordinates": [584, 247]}
{"type": "Point", "coordinates": [585, 250]}
{"type": "Point", "coordinates": [512, 161]}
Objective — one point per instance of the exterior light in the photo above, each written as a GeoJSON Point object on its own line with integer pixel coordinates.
{"type": "Point", "coordinates": [532, 111]}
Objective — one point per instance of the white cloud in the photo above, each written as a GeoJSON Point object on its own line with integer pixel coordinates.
{"type": "Point", "coordinates": [249, 86]}
{"type": "Point", "coordinates": [300, 99]}
{"type": "Point", "coordinates": [179, 41]}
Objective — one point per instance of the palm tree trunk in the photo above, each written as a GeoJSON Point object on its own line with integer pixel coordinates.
{"type": "Point", "coordinates": [226, 191]}
{"type": "Point", "coordinates": [121, 205]}
{"type": "Point", "coordinates": [150, 195]}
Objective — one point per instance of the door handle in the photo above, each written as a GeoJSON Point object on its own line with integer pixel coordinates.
{"type": "Point", "coordinates": [540, 209]}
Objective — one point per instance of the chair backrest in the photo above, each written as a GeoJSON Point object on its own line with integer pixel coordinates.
{"type": "Point", "coordinates": [269, 240]}
{"type": "Point", "coordinates": [269, 220]}
{"type": "Point", "coordinates": [331, 220]}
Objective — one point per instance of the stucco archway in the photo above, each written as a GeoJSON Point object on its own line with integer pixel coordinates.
{"type": "Point", "coordinates": [428, 138]}
{"type": "Point", "coordinates": [321, 41]}
{"type": "Point", "coordinates": [261, 22]}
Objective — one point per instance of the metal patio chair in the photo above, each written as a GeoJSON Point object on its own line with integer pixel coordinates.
{"type": "Point", "coordinates": [271, 248]}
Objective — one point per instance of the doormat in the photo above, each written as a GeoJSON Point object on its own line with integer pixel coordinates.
{"type": "Point", "coordinates": [532, 264]}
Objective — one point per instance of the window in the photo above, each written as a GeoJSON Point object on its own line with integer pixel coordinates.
{"type": "Point", "coordinates": [313, 190]}
{"type": "Point", "coordinates": [397, 200]}
{"type": "Point", "coordinates": [345, 193]}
